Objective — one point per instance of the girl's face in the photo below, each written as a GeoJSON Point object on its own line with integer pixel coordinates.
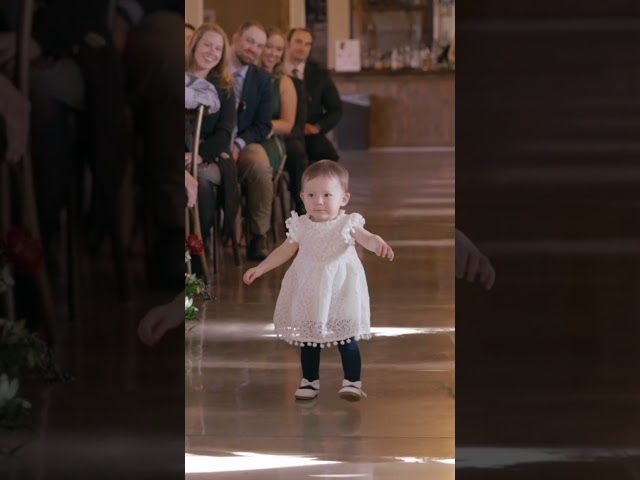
{"type": "Point", "coordinates": [209, 50]}
{"type": "Point", "coordinates": [323, 197]}
{"type": "Point", "coordinates": [273, 52]}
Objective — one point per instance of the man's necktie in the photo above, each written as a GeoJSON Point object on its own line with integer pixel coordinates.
{"type": "Point", "coordinates": [237, 89]}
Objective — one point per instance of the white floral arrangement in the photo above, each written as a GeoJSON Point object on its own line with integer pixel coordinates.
{"type": "Point", "coordinates": [192, 287]}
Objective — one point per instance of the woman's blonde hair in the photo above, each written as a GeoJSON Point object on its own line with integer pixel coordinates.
{"type": "Point", "coordinates": [278, 68]}
{"type": "Point", "coordinates": [327, 168]}
{"type": "Point", "coordinates": [223, 69]}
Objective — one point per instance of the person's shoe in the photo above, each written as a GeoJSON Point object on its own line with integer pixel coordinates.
{"type": "Point", "coordinates": [351, 391]}
{"type": "Point", "coordinates": [257, 248]}
{"type": "Point", "coordinates": [308, 390]}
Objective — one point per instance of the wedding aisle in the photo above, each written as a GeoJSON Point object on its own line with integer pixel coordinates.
{"type": "Point", "coordinates": [241, 418]}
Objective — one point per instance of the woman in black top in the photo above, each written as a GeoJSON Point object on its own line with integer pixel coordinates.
{"type": "Point", "coordinates": [207, 58]}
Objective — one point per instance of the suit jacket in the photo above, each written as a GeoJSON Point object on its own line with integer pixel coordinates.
{"type": "Point", "coordinates": [301, 111]}
{"type": "Point", "coordinates": [324, 105]}
{"type": "Point", "coordinates": [254, 108]}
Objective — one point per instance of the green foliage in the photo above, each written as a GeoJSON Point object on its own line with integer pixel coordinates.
{"type": "Point", "coordinates": [193, 287]}
{"type": "Point", "coordinates": [20, 350]}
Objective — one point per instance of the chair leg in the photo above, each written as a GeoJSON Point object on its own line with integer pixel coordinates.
{"type": "Point", "coordinates": [5, 203]}
{"type": "Point", "coordinates": [246, 223]}
{"type": "Point", "coordinates": [73, 293]}
{"type": "Point", "coordinates": [247, 234]}
{"type": "Point", "coordinates": [236, 248]}
{"type": "Point", "coordinates": [187, 230]}
{"type": "Point", "coordinates": [197, 231]}
{"type": "Point", "coordinates": [286, 207]}
{"type": "Point", "coordinates": [216, 241]}
{"type": "Point", "coordinates": [275, 213]}
{"type": "Point", "coordinates": [235, 239]}
{"type": "Point", "coordinates": [285, 200]}
{"type": "Point", "coordinates": [120, 261]}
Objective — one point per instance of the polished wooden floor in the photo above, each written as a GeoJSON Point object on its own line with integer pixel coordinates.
{"type": "Point", "coordinates": [241, 418]}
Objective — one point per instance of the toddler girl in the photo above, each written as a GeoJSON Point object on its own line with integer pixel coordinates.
{"type": "Point", "coordinates": [324, 299]}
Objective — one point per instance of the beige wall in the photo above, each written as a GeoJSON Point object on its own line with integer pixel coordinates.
{"type": "Point", "coordinates": [296, 14]}
{"type": "Point", "coordinates": [231, 13]}
{"type": "Point", "coordinates": [193, 12]}
{"type": "Point", "coordinates": [339, 26]}
{"type": "Point", "coordinates": [283, 14]}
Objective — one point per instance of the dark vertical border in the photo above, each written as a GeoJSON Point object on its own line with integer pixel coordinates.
{"type": "Point", "coordinates": [111, 407]}
{"type": "Point", "coordinates": [548, 186]}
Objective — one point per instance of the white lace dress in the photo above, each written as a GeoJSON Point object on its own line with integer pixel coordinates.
{"type": "Point", "coordinates": [324, 298]}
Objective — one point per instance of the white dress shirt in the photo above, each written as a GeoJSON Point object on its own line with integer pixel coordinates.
{"type": "Point", "coordinates": [290, 67]}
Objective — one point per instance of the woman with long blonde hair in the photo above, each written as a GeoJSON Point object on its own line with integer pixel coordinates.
{"type": "Point", "coordinates": [272, 60]}
{"type": "Point", "coordinates": [284, 98]}
{"type": "Point", "coordinates": [207, 58]}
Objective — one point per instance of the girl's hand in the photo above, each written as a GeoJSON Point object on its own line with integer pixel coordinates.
{"type": "Point", "coordinates": [251, 274]}
{"type": "Point", "coordinates": [381, 249]}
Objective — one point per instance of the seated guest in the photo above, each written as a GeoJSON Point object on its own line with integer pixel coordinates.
{"type": "Point", "coordinates": [272, 60]}
{"type": "Point", "coordinates": [209, 82]}
{"type": "Point", "coordinates": [283, 98]}
{"type": "Point", "coordinates": [297, 160]}
{"type": "Point", "coordinates": [324, 106]}
{"type": "Point", "coordinates": [253, 99]}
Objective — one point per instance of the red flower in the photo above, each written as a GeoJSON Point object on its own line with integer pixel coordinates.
{"type": "Point", "coordinates": [24, 252]}
{"type": "Point", "coordinates": [195, 245]}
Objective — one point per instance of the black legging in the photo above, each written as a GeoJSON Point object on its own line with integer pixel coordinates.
{"type": "Point", "coordinates": [349, 353]}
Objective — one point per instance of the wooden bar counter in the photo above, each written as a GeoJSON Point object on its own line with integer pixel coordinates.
{"type": "Point", "coordinates": [408, 108]}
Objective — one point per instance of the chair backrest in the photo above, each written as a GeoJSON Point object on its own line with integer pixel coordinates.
{"type": "Point", "coordinates": [23, 40]}
{"type": "Point", "coordinates": [196, 140]}
{"type": "Point", "coordinates": [283, 152]}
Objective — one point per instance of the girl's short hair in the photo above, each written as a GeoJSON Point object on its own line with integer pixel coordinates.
{"type": "Point", "coordinates": [327, 168]}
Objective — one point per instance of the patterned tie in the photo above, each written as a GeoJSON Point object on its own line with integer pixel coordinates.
{"type": "Point", "coordinates": [237, 89]}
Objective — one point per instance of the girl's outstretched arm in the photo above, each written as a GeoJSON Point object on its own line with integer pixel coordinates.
{"type": "Point", "coordinates": [373, 243]}
{"type": "Point", "coordinates": [276, 258]}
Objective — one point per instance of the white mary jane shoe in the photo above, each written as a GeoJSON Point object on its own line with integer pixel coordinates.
{"type": "Point", "coordinates": [307, 390]}
{"type": "Point", "coordinates": [351, 391]}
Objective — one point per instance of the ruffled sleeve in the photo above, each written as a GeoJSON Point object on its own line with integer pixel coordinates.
{"type": "Point", "coordinates": [293, 226]}
{"type": "Point", "coordinates": [354, 220]}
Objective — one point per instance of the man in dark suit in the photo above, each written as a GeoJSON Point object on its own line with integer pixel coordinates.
{"type": "Point", "coordinates": [253, 96]}
{"type": "Point", "coordinates": [324, 107]}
